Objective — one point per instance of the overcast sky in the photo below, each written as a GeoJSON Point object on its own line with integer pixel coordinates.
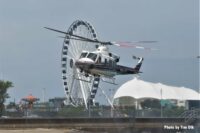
{"type": "Point", "coordinates": [30, 54]}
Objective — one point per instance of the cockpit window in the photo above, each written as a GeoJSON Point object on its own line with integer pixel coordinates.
{"type": "Point", "coordinates": [92, 56]}
{"type": "Point", "coordinates": [83, 55]}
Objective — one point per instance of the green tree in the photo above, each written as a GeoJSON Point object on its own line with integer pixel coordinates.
{"type": "Point", "coordinates": [4, 85]}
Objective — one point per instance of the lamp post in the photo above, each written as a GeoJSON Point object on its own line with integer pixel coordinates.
{"type": "Point", "coordinates": [44, 93]}
{"type": "Point", "coordinates": [161, 109]}
{"type": "Point", "coordinates": [199, 80]}
{"type": "Point", "coordinates": [111, 97]}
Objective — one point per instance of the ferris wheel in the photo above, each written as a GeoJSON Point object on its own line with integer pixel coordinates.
{"type": "Point", "coordinates": [79, 89]}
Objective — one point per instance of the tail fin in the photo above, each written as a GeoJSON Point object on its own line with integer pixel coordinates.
{"type": "Point", "coordinates": [138, 66]}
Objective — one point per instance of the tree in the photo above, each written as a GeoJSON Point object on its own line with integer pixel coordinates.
{"type": "Point", "coordinates": [4, 85]}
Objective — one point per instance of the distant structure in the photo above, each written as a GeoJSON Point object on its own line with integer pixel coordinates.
{"type": "Point", "coordinates": [136, 91]}
{"type": "Point", "coordinates": [57, 102]}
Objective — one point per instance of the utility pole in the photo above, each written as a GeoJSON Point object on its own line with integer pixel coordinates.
{"type": "Point", "coordinates": [1, 70]}
{"type": "Point", "coordinates": [161, 109]}
{"type": "Point", "coordinates": [111, 107]}
{"type": "Point", "coordinates": [199, 79]}
{"type": "Point", "coordinates": [44, 94]}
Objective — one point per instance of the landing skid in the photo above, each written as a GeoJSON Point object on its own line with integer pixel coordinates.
{"type": "Point", "coordinates": [89, 80]}
{"type": "Point", "coordinates": [112, 80]}
{"type": "Point", "coordinates": [104, 79]}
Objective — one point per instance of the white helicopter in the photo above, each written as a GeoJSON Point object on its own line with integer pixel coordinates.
{"type": "Point", "coordinates": [101, 62]}
{"type": "Point", "coordinates": [86, 59]}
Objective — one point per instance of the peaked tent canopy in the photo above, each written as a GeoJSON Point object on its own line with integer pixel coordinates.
{"type": "Point", "coordinates": [30, 98]}
{"type": "Point", "coordinates": [139, 89]}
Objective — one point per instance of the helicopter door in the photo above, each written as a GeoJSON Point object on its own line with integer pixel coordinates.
{"type": "Point", "coordinates": [106, 61]}
{"type": "Point", "coordinates": [103, 60]}
{"type": "Point", "coordinates": [99, 59]}
{"type": "Point", "coordinates": [110, 63]}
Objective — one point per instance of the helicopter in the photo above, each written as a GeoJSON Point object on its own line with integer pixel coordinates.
{"type": "Point", "coordinates": [101, 62]}
{"type": "Point", "coordinates": [85, 61]}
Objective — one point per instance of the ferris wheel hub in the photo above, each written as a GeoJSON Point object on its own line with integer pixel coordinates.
{"type": "Point", "coordinates": [71, 63]}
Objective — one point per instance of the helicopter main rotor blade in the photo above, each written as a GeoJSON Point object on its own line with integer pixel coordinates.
{"type": "Point", "coordinates": [136, 42]}
{"type": "Point", "coordinates": [56, 30]}
{"type": "Point", "coordinates": [81, 38]}
{"type": "Point", "coordinates": [94, 41]}
{"type": "Point", "coordinates": [66, 33]}
{"type": "Point", "coordinates": [121, 44]}
{"type": "Point", "coordinates": [84, 40]}
{"type": "Point", "coordinates": [133, 45]}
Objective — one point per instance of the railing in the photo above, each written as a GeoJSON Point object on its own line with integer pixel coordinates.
{"type": "Point", "coordinates": [103, 112]}
{"type": "Point", "coordinates": [191, 116]}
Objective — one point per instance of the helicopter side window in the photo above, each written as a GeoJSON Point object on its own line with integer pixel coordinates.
{"type": "Point", "coordinates": [83, 55]}
{"type": "Point", "coordinates": [92, 56]}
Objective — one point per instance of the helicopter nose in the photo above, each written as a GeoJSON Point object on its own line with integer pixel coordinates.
{"type": "Point", "coordinates": [84, 63]}
{"type": "Point", "coordinates": [86, 60]}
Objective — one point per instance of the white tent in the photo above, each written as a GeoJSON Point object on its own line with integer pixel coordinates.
{"type": "Point", "coordinates": [139, 89]}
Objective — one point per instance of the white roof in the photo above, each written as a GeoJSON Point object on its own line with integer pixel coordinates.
{"type": "Point", "coordinates": [139, 89]}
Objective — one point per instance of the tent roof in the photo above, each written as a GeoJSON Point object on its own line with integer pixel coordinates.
{"type": "Point", "coordinates": [139, 89]}
{"type": "Point", "coordinates": [30, 98]}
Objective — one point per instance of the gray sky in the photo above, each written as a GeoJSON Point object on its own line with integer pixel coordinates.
{"type": "Point", "coordinates": [30, 55]}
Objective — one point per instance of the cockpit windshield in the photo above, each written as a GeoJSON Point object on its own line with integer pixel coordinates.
{"type": "Point", "coordinates": [83, 55]}
{"type": "Point", "coordinates": [92, 56]}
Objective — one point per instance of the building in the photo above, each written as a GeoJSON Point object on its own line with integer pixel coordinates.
{"type": "Point", "coordinates": [135, 91]}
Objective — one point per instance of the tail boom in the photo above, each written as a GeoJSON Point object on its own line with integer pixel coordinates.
{"type": "Point", "coordinates": [123, 70]}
